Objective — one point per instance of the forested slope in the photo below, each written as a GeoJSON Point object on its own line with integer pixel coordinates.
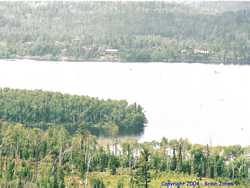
{"type": "Point", "coordinates": [53, 158]}
{"type": "Point", "coordinates": [46, 109]}
{"type": "Point", "coordinates": [139, 31]}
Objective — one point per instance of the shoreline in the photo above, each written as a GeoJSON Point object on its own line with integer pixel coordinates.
{"type": "Point", "coordinates": [145, 62]}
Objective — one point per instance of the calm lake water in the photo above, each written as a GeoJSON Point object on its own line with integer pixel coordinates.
{"type": "Point", "coordinates": [204, 103]}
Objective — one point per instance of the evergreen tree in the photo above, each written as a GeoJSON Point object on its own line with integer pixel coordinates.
{"type": "Point", "coordinates": [142, 174]}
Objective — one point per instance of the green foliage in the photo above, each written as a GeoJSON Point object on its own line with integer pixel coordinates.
{"type": "Point", "coordinates": [153, 31]}
{"type": "Point", "coordinates": [46, 109]}
{"type": "Point", "coordinates": [113, 164]}
{"type": "Point", "coordinates": [142, 174]}
{"type": "Point", "coordinates": [97, 183]}
{"type": "Point", "coordinates": [10, 170]}
{"type": "Point", "coordinates": [120, 184]}
{"type": "Point", "coordinates": [173, 161]}
{"type": "Point", "coordinates": [198, 162]}
{"type": "Point", "coordinates": [53, 158]}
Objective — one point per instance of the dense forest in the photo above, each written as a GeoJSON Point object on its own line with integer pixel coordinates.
{"type": "Point", "coordinates": [46, 109]}
{"type": "Point", "coordinates": [54, 158]}
{"type": "Point", "coordinates": [215, 32]}
{"type": "Point", "coordinates": [54, 140]}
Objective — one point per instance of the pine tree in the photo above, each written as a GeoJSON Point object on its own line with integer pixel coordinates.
{"type": "Point", "coordinates": [174, 160]}
{"type": "Point", "coordinates": [142, 175]}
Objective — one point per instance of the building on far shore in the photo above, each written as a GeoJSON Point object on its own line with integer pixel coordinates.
{"type": "Point", "coordinates": [201, 51]}
{"type": "Point", "coordinates": [111, 51]}
{"type": "Point", "coordinates": [111, 54]}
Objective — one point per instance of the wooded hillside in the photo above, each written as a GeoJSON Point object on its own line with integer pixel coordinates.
{"type": "Point", "coordinates": [138, 31]}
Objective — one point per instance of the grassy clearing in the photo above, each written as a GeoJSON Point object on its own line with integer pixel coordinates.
{"type": "Point", "coordinates": [112, 181]}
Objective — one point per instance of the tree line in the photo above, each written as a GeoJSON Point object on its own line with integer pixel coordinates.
{"type": "Point", "coordinates": [39, 109]}
{"type": "Point", "coordinates": [54, 158]}
{"type": "Point", "coordinates": [140, 31]}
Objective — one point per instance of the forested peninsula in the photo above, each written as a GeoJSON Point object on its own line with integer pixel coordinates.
{"type": "Point", "coordinates": [39, 109]}
{"type": "Point", "coordinates": [215, 32]}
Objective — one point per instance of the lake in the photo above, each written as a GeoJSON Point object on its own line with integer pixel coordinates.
{"type": "Point", "coordinates": [201, 102]}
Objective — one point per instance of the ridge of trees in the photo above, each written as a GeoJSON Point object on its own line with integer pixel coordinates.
{"type": "Point", "coordinates": [41, 109]}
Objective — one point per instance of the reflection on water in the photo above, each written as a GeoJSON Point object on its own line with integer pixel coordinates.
{"type": "Point", "coordinates": [204, 103]}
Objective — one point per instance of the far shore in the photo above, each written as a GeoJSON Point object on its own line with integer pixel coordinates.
{"type": "Point", "coordinates": [120, 61]}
